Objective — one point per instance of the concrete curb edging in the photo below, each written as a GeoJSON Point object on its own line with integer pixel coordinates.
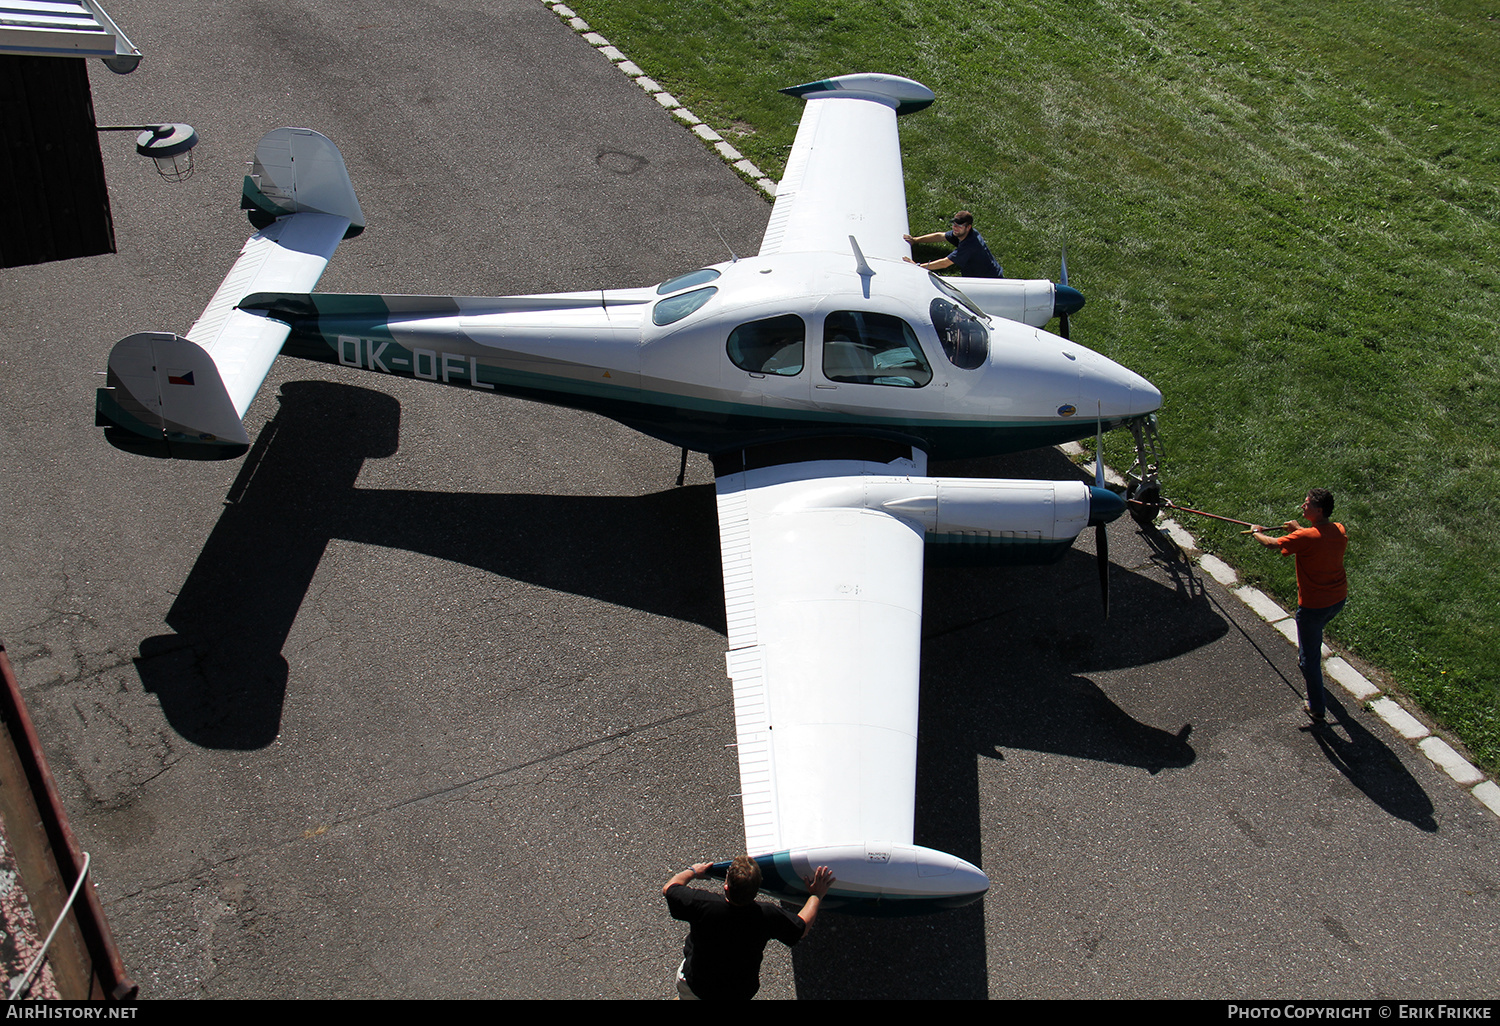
{"type": "Point", "coordinates": [1439, 752]}
{"type": "Point", "coordinates": [731, 156]}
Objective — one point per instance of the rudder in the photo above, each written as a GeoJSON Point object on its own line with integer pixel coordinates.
{"type": "Point", "coordinates": [164, 397]}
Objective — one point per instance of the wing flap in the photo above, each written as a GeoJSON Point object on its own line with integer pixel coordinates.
{"type": "Point", "coordinates": [824, 603]}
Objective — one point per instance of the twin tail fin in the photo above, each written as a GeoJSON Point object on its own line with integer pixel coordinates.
{"type": "Point", "coordinates": [184, 396]}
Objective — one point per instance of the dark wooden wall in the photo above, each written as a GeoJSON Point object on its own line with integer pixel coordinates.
{"type": "Point", "coordinates": [53, 201]}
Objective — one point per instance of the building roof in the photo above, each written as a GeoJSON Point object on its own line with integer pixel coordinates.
{"type": "Point", "coordinates": [64, 28]}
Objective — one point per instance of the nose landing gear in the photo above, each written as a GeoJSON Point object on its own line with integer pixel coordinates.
{"type": "Point", "coordinates": [1143, 493]}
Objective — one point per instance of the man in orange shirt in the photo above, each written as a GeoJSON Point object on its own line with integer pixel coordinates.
{"type": "Point", "coordinates": [1322, 587]}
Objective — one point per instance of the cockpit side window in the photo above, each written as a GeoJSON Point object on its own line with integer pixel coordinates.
{"type": "Point", "coordinates": [683, 281]}
{"type": "Point", "coordinates": [873, 349]}
{"type": "Point", "coordinates": [771, 346]}
{"type": "Point", "coordinates": [679, 306]}
{"type": "Point", "coordinates": [966, 340]}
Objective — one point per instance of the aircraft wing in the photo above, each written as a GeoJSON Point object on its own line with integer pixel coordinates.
{"type": "Point", "coordinates": [824, 606]}
{"type": "Point", "coordinates": [823, 597]}
{"type": "Point", "coordinates": [823, 565]}
{"type": "Point", "coordinates": [844, 175]}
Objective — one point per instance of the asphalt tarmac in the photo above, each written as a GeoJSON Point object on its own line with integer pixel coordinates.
{"type": "Point", "coordinates": [425, 697]}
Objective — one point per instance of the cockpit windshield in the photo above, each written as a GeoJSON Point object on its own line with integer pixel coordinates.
{"type": "Point", "coordinates": [684, 281]}
{"type": "Point", "coordinates": [675, 308]}
{"type": "Point", "coordinates": [947, 289]}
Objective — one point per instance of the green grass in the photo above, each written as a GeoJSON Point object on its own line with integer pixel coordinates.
{"type": "Point", "coordinates": [1284, 214]}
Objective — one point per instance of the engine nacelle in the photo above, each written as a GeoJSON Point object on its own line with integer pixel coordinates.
{"type": "Point", "coordinates": [1030, 301]}
{"type": "Point", "coordinates": [983, 521]}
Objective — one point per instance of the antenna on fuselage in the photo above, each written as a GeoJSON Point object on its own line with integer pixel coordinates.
{"type": "Point", "coordinates": [866, 272]}
{"type": "Point", "coordinates": [732, 258]}
{"type": "Point", "coordinates": [860, 263]}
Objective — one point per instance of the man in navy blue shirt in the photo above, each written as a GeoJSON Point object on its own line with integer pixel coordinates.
{"type": "Point", "coordinates": [971, 255]}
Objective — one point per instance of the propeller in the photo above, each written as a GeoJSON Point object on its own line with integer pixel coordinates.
{"type": "Point", "coordinates": [1101, 529]}
{"type": "Point", "coordinates": [1105, 505]}
{"type": "Point", "coordinates": [1065, 300]}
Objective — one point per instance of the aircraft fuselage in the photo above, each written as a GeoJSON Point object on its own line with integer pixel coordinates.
{"type": "Point", "coordinates": [745, 353]}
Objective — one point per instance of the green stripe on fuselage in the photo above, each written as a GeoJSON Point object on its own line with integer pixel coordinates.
{"type": "Point", "coordinates": [354, 331]}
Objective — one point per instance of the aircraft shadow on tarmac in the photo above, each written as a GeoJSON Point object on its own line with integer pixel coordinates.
{"type": "Point", "coordinates": [1006, 653]}
{"type": "Point", "coordinates": [221, 679]}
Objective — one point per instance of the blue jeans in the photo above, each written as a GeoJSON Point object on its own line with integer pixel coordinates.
{"type": "Point", "coordinates": [1310, 624]}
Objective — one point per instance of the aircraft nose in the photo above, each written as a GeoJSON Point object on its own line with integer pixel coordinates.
{"type": "Point", "coordinates": [1138, 396]}
{"type": "Point", "coordinates": [1113, 390]}
{"type": "Point", "coordinates": [1066, 300]}
{"type": "Point", "coordinates": [1147, 396]}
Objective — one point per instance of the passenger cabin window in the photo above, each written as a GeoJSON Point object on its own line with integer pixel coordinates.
{"type": "Point", "coordinates": [679, 306]}
{"type": "Point", "coordinates": [772, 346]}
{"type": "Point", "coordinates": [872, 349]}
{"type": "Point", "coordinates": [965, 339]}
{"type": "Point", "coordinates": [685, 281]}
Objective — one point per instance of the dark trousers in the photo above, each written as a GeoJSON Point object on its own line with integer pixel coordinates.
{"type": "Point", "coordinates": [1310, 624]}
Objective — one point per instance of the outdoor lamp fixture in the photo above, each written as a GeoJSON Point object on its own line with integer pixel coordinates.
{"type": "Point", "coordinates": [171, 146]}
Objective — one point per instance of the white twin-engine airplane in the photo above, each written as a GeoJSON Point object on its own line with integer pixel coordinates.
{"type": "Point", "coordinates": [820, 375]}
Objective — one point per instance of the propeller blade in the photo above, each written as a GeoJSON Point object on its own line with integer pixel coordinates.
{"type": "Point", "coordinates": [1065, 300]}
{"type": "Point", "coordinates": [1099, 448]}
{"type": "Point", "coordinates": [1101, 533]}
{"type": "Point", "coordinates": [1101, 546]}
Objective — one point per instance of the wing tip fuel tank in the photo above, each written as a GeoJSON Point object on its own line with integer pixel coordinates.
{"type": "Point", "coordinates": [903, 94]}
{"type": "Point", "coordinates": [873, 878]}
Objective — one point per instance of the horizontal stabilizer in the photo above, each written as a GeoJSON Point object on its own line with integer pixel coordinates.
{"type": "Point", "coordinates": [287, 256]}
{"type": "Point", "coordinates": [309, 206]}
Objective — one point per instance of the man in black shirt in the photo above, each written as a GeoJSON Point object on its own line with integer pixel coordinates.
{"type": "Point", "coordinates": [971, 255]}
{"type": "Point", "coordinates": [728, 933]}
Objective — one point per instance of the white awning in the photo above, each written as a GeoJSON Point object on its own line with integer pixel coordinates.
{"type": "Point", "coordinates": [64, 28]}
